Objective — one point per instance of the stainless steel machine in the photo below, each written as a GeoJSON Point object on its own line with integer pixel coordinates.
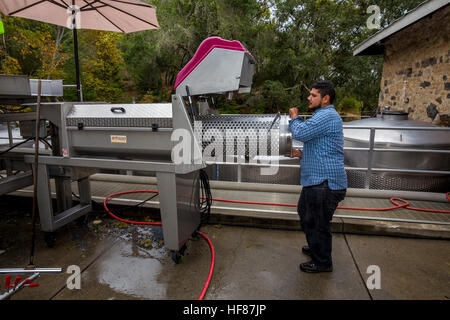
{"type": "Point", "coordinates": [420, 155]}
{"type": "Point", "coordinates": [163, 138]}
{"type": "Point", "coordinates": [17, 91]}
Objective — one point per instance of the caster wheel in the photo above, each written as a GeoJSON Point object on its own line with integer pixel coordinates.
{"type": "Point", "coordinates": [50, 239]}
{"type": "Point", "coordinates": [82, 221]}
{"type": "Point", "coordinates": [177, 256]}
{"type": "Point", "coordinates": [195, 236]}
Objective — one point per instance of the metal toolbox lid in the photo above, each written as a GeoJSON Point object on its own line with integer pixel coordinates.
{"type": "Point", "coordinates": [121, 115]}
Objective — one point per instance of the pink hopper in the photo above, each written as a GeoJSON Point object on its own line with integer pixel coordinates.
{"type": "Point", "coordinates": [203, 50]}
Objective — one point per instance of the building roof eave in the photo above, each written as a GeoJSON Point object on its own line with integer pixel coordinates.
{"type": "Point", "coordinates": [374, 45]}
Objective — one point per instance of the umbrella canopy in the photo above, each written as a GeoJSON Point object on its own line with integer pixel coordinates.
{"type": "Point", "coordinates": [107, 15]}
{"type": "Point", "coordinates": [124, 16]}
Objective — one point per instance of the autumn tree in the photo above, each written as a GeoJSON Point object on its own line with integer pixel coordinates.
{"type": "Point", "coordinates": [31, 48]}
{"type": "Point", "coordinates": [293, 42]}
{"type": "Point", "coordinates": [101, 66]}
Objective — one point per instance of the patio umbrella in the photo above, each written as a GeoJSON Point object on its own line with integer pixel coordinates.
{"type": "Point", "coordinates": [124, 16]}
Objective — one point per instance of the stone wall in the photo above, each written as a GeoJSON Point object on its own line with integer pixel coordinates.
{"type": "Point", "coordinates": [416, 70]}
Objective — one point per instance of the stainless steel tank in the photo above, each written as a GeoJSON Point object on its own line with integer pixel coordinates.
{"type": "Point", "coordinates": [398, 138]}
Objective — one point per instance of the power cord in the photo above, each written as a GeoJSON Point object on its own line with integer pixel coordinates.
{"type": "Point", "coordinates": [15, 146]}
{"type": "Point", "coordinates": [125, 208]}
{"type": "Point", "coordinates": [205, 200]}
{"type": "Point", "coordinates": [25, 141]}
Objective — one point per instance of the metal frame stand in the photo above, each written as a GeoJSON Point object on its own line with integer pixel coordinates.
{"type": "Point", "coordinates": [178, 188]}
{"type": "Point", "coordinates": [179, 195]}
{"type": "Point", "coordinates": [66, 211]}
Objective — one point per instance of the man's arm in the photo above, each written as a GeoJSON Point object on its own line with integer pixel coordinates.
{"type": "Point", "coordinates": [307, 130]}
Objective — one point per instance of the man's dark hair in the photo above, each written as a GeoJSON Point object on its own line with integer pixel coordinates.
{"type": "Point", "coordinates": [325, 88]}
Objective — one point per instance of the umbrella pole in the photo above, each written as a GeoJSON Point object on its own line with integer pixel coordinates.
{"type": "Point", "coordinates": [77, 64]}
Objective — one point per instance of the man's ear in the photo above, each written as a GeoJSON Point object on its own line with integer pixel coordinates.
{"type": "Point", "coordinates": [326, 100]}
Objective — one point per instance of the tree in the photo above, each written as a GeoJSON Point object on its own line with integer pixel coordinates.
{"type": "Point", "coordinates": [293, 42]}
{"type": "Point", "coordinates": [101, 66]}
{"type": "Point", "coordinates": [31, 48]}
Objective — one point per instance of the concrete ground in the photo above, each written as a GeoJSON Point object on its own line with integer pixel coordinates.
{"type": "Point", "coordinates": [125, 262]}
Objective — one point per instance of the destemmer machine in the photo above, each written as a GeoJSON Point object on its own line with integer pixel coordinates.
{"type": "Point", "coordinates": [149, 137]}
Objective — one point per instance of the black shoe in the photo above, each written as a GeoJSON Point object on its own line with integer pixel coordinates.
{"type": "Point", "coordinates": [306, 250]}
{"type": "Point", "coordinates": [313, 268]}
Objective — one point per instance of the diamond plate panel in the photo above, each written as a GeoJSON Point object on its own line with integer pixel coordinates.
{"type": "Point", "coordinates": [121, 115]}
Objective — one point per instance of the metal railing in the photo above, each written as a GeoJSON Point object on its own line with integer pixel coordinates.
{"type": "Point", "coordinates": [342, 116]}
{"type": "Point", "coordinates": [371, 151]}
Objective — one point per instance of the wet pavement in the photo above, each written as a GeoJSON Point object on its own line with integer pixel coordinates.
{"type": "Point", "coordinates": [125, 262]}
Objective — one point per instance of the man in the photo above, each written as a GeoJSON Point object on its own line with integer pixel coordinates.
{"type": "Point", "coordinates": [323, 176]}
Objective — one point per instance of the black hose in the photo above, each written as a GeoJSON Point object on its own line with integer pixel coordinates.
{"type": "Point", "coordinates": [127, 207]}
{"type": "Point", "coordinates": [190, 102]}
{"type": "Point", "coordinates": [24, 141]}
{"type": "Point", "coordinates": [205, 198]}
{"type": "Point", "coordinates": [139, 204]}
{"type": "Point", "coordinates": [15, 146]}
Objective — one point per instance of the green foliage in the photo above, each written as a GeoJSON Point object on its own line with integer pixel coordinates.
{"type": "Point", "coordinates": [102, 67]}
{"type": "Point", "coordinates": [349, 105]}
{"type": "Point", "coordinates": [294, 43]}
{"type": "Point", "coordinates": [156, 96]}
{"type": "Point", "coordinates": [270, 98]}
{"type": "Point", "coordinates": [9, 64]}
{"type": "Point", "coordinates": [228, 107]}
{"type": "Point", "coordinates": [28, 47]}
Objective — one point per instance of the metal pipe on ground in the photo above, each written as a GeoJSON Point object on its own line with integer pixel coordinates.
{"type": "Point", "coordinates": [227, 185]}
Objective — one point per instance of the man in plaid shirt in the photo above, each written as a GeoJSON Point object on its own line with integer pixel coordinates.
{"type": "Point", "coordinates": [323, 176]}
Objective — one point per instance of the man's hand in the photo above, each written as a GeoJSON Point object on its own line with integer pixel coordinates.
{"type": "Point", "coordinates": [295, 153]}
{"type": "Point", "coordinates": [293, 112]}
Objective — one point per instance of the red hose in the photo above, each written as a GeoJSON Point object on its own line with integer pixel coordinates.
{"type": "Point", "coordinates": [128, 221]}
{"type": "Point", "coordinates": [405, 205]}
{"type": "Point", "coordinates": [205, 287]}
{"type": "Point", "coordinates": [393, 200]}
{"type": "Point", "coordinates": [211, 268]}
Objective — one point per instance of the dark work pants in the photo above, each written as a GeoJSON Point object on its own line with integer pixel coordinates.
{"type": "Point", "coordinates": [316, 207]}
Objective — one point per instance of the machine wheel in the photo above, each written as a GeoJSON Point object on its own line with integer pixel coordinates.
{"type": "Point", "coordinates": [50, 239]}
{"type": "Point", "coordinates": [195, 236]}
{"type": "Point", "coordinates": [82, 221]}
{"type": "Point", "coordinates": [177, 256]}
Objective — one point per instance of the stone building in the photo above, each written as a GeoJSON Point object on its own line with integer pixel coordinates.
{"type": "Point", "coordinates": [416, 68]}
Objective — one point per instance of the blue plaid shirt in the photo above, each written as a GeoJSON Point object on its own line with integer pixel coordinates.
{"type": "Point", "coordinates": [323, 143]}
